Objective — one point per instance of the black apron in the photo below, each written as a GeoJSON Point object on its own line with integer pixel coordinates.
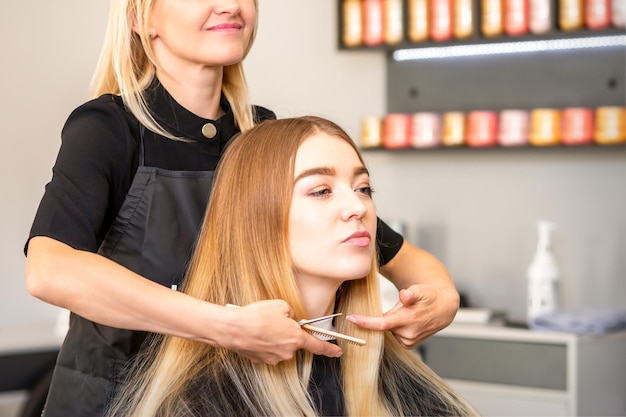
{"type": "Point", "coordinates": [152, 235]}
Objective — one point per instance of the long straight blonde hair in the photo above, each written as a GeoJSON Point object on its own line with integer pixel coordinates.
{"type": "Point", "coordinates": [242, 256]}
{"type": "Point", "coordinates": [127, 65]}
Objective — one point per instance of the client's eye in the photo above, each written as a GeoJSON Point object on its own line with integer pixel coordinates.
{"type": "Point", "coordinates": [321, 192]}
{"type": "Point", "coordinates": [367, 190]}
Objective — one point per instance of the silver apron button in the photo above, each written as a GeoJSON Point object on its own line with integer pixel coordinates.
{"type": "Point", "coordinates": [209, 131]}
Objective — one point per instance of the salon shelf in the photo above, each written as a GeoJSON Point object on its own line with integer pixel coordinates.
{"type": "Point", "coordinates": [478, 39]}
{"type": "Point", "coordinates": [586, 77]}
{"type": "Point", "coordinates": [615, 148]}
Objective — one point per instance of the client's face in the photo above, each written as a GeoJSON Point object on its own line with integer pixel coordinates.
{"type": "Point", "coordinates": [332, 221]}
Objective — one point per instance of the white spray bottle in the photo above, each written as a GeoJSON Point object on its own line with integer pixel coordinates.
{"type": "Point", "coordinates": [543, 275]}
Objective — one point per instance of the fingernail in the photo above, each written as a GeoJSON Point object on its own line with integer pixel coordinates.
{"type": "Point", "coordinates": [338, 354]}
{"type": "Point", "coordinates": [351, 319]}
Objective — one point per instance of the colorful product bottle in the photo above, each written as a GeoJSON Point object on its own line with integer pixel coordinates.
{"type": "Point", "coordinates": [492, 23]}
{"type": "Point", "coordinates": [597, 14]}
{"type": "Point", "coordinates": [373, 22]}
{"type": "Point", "coordinates": [371, 132]}
{"type": "Point", "coordinates": [618, 13]}
{"type": "Point", "coordinates": [513, 127]}
{"type": "Point", "coordinates": [418, 20]}
{"type": "Point", "coordinates": [540, 16]}
{"type": "Point", "coordinates": [393, 27]}
{"type": "Point", "coordinates": [397, 131]}
{"type": "Point", "coordinates": [516, 17]}
{"type": "Point", "coordinates": [352, 23]}
{"type": "Point", "coordinates": [441, 20]}
{"type": "Point", "coordinates": [482, 128]}
{"type": "Point", "coordinates": [453, 128]}
{"type": "Point", "coordinates": [463, 19]}
{"type": "Point", "coordinates": [577, 126]}
{"type": "Point", "coordinates": [545, 127]}
{"type": "Point", "coordinates": [426, 130]}
{"type": "Point", "coordinates": [571, 14]}
{"type": "Point", "coordinates": [610, 124]}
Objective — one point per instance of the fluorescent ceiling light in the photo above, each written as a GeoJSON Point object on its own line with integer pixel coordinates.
{"type": "Point", "coordinates": [508, 47]}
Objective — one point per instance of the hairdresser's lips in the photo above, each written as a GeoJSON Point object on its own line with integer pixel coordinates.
{"type": "Point", "coordinates": [225, 27]}
{"type": "Point", "coordinates": [360, 239]}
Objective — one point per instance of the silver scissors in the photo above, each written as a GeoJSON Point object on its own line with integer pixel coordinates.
{"type": "Point", "coordinates": [318, 319]}
{"type": "Point", "coordinates": [307, 325]}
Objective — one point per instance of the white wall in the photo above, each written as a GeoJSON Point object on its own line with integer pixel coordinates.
{"type": "Point", "coordinates": [48, 51]}
{"type": "Point", "coordinates": [475, 210]}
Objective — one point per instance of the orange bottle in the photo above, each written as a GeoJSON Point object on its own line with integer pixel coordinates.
{"type": "Point", "coordinates": [352, 25]}
{"type": "Point", "coordinates": [571, 14]}
{"type": "Point", "coordinates": [453, 128]}
{"type": "Point", "coordinates": [371, 132]}
{"type": "Point", "coordinates": [393, 18]}
{"type": "Point", "coordinates": [545, 127]}
{"type": "Point", "coordinates": [463, 18]}
{"type": "Point", "coordinates": [418, 23]}
{"type": "Point", "coordinates": [610, 125]}
{"type": "Point", "coordinates": [492, 18]}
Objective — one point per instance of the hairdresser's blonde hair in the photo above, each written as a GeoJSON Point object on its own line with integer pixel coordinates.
{"type": "Point", "coordinates": [127, 65]}
{"type": "Point", "coordinates": [243, 256]}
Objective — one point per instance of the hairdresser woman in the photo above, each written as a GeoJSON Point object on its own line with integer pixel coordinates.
{"type": "Point", "coordinates": [118, 220]}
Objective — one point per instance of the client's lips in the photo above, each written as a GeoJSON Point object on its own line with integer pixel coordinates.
{"type": "Point", "coordinates": [361, 238]}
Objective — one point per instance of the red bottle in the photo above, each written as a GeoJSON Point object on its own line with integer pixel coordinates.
{"type": "Point", "coordinates": [397, 131]}
{"type": "Point", "coordinates": [482, 128]}
{"type": "Point", "coordinates": [597, 14]}
{"type": "Point", "coordinates": [373, 22]}
{"type": "Point", "coordinates": [516, 17]}
{"type": "Point", "coordinates": [441, 20]}
{"type": "Point", "coordinates": [577, 126]}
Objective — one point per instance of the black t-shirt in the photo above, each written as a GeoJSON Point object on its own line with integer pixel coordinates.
{"type": "Point", "coordinates": [98, 158]}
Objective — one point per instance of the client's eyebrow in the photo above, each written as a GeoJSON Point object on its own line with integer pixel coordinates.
{"type": "Point", "coordinates": [315, 171]}
{"type": "Point", "coordinates": [328, 171]}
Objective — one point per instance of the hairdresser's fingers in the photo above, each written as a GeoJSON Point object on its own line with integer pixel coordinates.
{"type": "Point", "coordinates": [430, 307]}
{"type": "Point", "coordinates": [264, 332]}
{"type": "Point", "coordinates": [320, 347]}
{"type": "Point", "coordinates": [420, 312]}
{"type": "Point", "coordinates": [398, 316]}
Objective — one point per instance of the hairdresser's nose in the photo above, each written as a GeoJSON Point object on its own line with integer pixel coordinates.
{"type": "Point", "coordinates": [352, 205]}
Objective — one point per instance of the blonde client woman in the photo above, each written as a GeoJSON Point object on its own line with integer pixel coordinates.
{"type": "Point", "coordinates": [301, 225]}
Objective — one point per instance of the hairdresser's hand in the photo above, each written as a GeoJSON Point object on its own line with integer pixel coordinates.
{"type": "Point", "coordinates": [421, 311]}
{"type": "Point", "coordinates": [265, 331]}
